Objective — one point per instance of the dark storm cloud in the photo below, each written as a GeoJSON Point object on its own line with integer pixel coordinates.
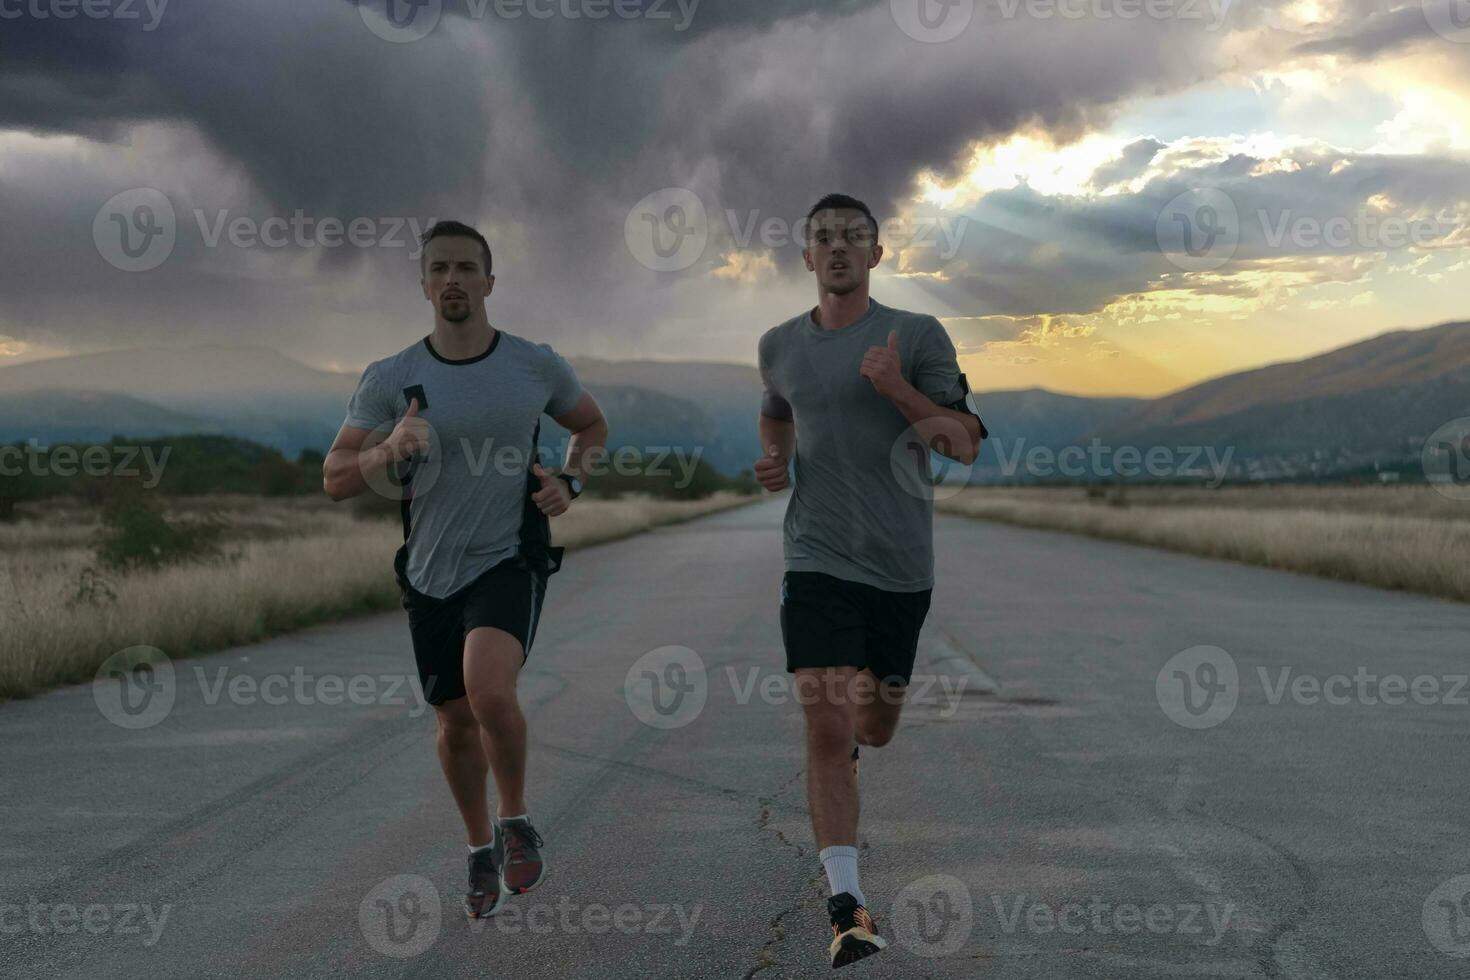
{"type": "Point", "coordinates": [297, 93]}
{"type": "Point", "coordinates": [547, 131]}
{"type": "Point", "coordinates": [789, 116]}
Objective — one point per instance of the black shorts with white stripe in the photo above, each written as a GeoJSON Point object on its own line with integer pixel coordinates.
{"type": "Point", "coordinates": [507, 597]}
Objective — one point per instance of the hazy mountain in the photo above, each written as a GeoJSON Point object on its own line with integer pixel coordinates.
{"type": "Point", "coordinates": [87, 416]}
{"type": "Point", "coordinates": [1391, 360]}
{"type": "Point", "coordinates": [646, 420]}
{"type": "Point", "coordinates": [262, 395]}
{"type": "Point", "coordinates": [204, 380]}
{"type": "Point", "coordinates": [1374, 400]}
{"type": "Point", "coordinates": [253, 392]}
{"type": "Point", "coordinates": [1045, 418]}
{"type": "Point", "coordinates": [727, 395]}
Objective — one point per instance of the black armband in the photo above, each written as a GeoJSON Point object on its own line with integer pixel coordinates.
{"type": "Point", "coordinates": [967, 405]}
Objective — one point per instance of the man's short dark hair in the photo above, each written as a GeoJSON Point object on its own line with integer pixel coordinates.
{"type": "Point", "coordinates": [453, 229]}
{"type": "Point", "coordinates": [841, 202]}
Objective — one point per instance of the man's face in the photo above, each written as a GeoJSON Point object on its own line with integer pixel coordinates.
{"type": "Point", "coordinates": [454, 277]}
{"type": "Point", "coordinates": [841, 249]}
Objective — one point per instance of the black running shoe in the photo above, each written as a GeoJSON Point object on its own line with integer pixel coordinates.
{"type": "Point", "coordinates": [854, 933]}
{"type": "Point", "coordinates": [485, 895]}
{"type": "Point", "coordinates": [854, 761]}
{"type": "Point", "coordinates": [517, 851]}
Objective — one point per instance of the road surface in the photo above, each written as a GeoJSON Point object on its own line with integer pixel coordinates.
{"type": "Point", "coordinates": [282, 813]}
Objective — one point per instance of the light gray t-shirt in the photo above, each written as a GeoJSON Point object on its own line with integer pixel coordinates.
{"type": "Point", "coordinates": [469, 492]}
{"type": "Point", "coordinates": [860, 507]}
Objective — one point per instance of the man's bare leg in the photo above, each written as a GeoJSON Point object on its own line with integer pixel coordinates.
{"type": "Point", "coordinates": [877, 707]}
{"type": "Point", "coordinates": [492, 661]}
{"type": "Point", "coordinates": [830, 698]}
{"type": "Point", "coordinates": [824, 693]}
{"type": "Point", "coordinates": [463, 758]}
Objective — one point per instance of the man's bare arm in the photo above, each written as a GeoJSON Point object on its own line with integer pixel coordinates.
{"type": "Point", "coordinates": [357, 452]}
{"type": "Point", "coordinates": [778, 442]}
{"type": "Point", "coordinates": [588, 441]}
{"type": "Point", "coordinates": [349, 460]}
{"type": "Point", "coordinates": [941, 427]}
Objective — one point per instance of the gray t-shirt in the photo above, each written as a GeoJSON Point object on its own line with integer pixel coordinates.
{"type": "Point", "coordinates": [859, 509]}
{"type": "Point", "coordinates": [468, 494]}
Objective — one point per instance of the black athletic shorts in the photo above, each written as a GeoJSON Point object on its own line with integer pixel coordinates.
{"type": "Point", "coordinates": [831, 622]}
{"type": "Point", "coordinates": [508, 597]}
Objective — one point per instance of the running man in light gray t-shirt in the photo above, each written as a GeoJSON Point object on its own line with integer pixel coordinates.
{"type": "Point", "coordinates": [858, 394]}
{"type": "Point", "coordinates": [448, 427]}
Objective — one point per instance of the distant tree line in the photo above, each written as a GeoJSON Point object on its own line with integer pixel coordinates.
{"type": "Point", "coordinates": [199, 465]}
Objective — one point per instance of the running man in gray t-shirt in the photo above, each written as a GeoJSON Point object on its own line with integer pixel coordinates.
{"type": "Point", "coordinates": [449, 427]}
{"type": "Point", "coordinates": [857, 394]}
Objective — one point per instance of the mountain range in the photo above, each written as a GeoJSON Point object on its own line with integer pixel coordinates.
{"type": "Point", "coordinates": [1365, 404]}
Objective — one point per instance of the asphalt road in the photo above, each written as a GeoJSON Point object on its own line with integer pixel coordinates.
{"type": "Point", "coordinates": [283, 814]}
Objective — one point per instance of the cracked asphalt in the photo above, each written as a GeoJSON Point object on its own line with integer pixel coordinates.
{"type": "Point", "coordinates": [277, 809]}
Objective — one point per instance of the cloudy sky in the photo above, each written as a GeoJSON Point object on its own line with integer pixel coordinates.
{"type": "Point", "coordinates": [1097, 196]}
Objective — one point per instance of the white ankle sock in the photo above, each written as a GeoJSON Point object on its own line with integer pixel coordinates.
{"type": "Point", "coordinates": [480, 847]}
{"type": "Point", "coordinates": [840, 862]}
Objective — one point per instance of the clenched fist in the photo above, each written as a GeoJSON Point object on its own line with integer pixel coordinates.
{"type": "Point", "coordinates": [770, 470]}
{"type": "Point", "coordinates": [409, 436]}
{"type": "Point", "coordinates": [882, 366]}
{"type": "Point", "coordinates": [554, 497]}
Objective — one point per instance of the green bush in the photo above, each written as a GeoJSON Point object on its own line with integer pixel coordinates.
{"type": "Point", "coordinates": [136, 534]}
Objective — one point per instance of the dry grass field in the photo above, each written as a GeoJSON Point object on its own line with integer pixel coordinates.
{"type": "Point", "coordinates": [1394, 537]}
{"type": "Point", "coordinates": [293, 562]}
